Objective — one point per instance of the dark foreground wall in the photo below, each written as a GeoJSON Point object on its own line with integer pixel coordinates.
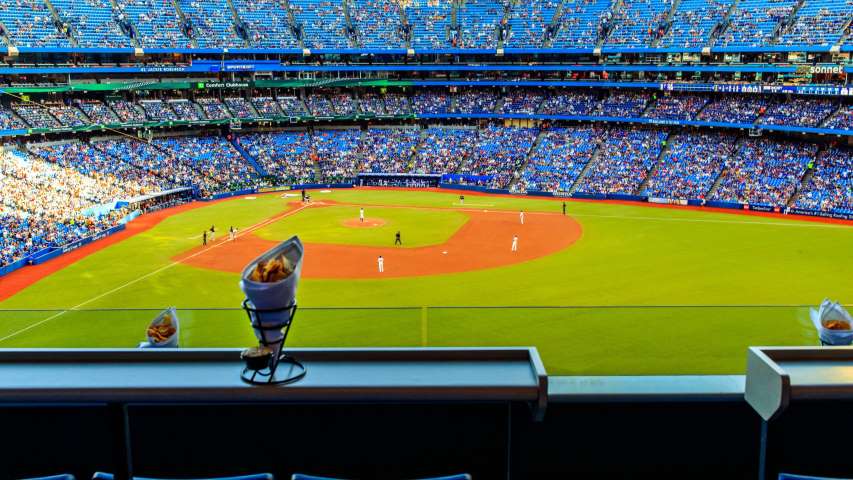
{"type": "Point", "coordinates": [607, 440]}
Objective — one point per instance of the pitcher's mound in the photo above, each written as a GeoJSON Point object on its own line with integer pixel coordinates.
{"type": "Point", "coordinates": [367, 223]}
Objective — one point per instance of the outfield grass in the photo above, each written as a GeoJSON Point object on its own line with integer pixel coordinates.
{"type": "Point", "coordinates": [627, 255]}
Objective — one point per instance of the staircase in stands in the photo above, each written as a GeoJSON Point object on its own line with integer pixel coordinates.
{"type": "Point", "coordinates": [652, 171]}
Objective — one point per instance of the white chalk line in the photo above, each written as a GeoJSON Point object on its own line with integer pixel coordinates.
{"type": "Point", "coordinates": [224, 241]}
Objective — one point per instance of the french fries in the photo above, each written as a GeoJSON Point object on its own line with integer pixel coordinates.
{"type": "Point", "coordinates": [274, 270]}
{"type": "Point", "coordinates": [836, 325]}
{"type": "Point", "coordinates": [162, 331]}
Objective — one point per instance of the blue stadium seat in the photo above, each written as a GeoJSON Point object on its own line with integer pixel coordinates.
{"type": "Point", "coordinates": [788, 476]}
{"type": "Point", "coordinates": [461, 476]}
{"type": "Point", "coordinates": [64, 476]}
{"type": "Point", "coordinates": [255, 476]}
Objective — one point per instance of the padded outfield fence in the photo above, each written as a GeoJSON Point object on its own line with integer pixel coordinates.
{"type": "Point", "coordinates": [622, 340]}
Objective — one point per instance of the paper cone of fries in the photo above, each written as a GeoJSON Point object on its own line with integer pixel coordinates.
{"type": "Point", "coordinates": [269, 283]}
{"type": "Point", "coordinates": [164, 331]}
{"type": "Point", "coordinates": [833, 323]}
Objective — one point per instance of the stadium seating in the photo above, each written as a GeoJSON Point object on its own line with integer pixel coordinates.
{"type": "Point", "coordinates": [426, 24]}
{"type": "Point", "coordinates": [831, 186]}
{"type": "Point", "coordinates": [155, 23]}
{"type": "Point", "coordinates": [213, 157]}
{"type": "Point", "coordinates": [498, 154]}
{"type": "Point", "coordinates": [443, 149]}
{"type": "Point", "coordinates": [620, 104]}
{"type": "Point", "coordinates": [690, 167]}
{"type": "Point", "coordinates": [396, 104]}
{"type": "Point", "coordinates": [126, 111]}
{"type": "Point", "coordinates": [693, 21]}
{"type": "Point", "coordinates": [479, 20]}
{"type": "Point", "coordinates": [213, 23]}
{"type": "Point", "coordinates": [676, 107]}
{"type": "Point", "coordinates": [97, 112]}
{"type": "Point", "coordinates": [528, 22]}
{"type": "Point", "coordinates": [28, 23]}
{"type": "Point", "coordinates": [322, 23]}
{"type": "Point", "coordinates": [789, 476]}
{"type": "Point", "coordinates": [240, 107]}
{"type": "Point", "coordinates": [569, 103]}
{"type": "Point", "coordinates": [337, 153]}
{"type": "Point", "coordinates": [559, 158]}
{"type": "Point", "coordinates": [158, 110]}
{"type": "Point", "coordinates": [734, 109]}
{"type": "Point", "coordinates": [475, 102]}
{"type": "Point", "coordinates": [379, 23]}
{"type": "Point", "coordinates": [798, 111]}
{"type": "Point", "coordinates": [372, 104]}
{"type": "Point", "coordinates": [754, 22]}
{"type": "Point", "coordinates": [292, 106]}
{"type": "Point", "coordinates": [93, 23]}
{"type": "Point", "coordinates": [42, 205]}
{"type": "Point", "coordinates": [580, 22]}
{"type": "Point", "coordinates": [320, 105]}
{"type": "Point", "coordinates": [818, 22]}
{"type": "Point", "coordinates": [267, 23]}
{"type": "Point", "coordinates": [638, 23]}
{"type": "Point", "coordinates": [523, 101]}
{"type": "Point", "coordinates": [36, 115]}
{"type": "Point", "coordinates": [431, 102]}
{"type": "Point", "coordinates": [213, 108]}
{"type": "Point", "coordinates": [119, 178]}
{"type": "Point", "coordinates": [842, 120]}
{"type": "Point", "coordinates": [627, 155]}
{"type": "Point", "coordinates": [266, 106]}
{"type": "Point", "coordinates": [10, 121]}
{"type": "Point", "coordinates": [256, 476]}
{"type": "Point", "coordinates": [388, 150]}
{"type": "Point", "coordinates": [430, 23]}
{"type": "Point", "coordinates": [764, 172]}
{"type": "Point", "coordinates": [184, 109]}
{"type": "Point", "coordinates": [286, 155]}
{"type": "Point", "coordinates": [53, 477]}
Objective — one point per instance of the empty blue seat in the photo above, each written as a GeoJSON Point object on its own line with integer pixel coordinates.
{"type": "Point", "coordinates": [788, 476]}
{"type": "Point", "coordinates": [461, 476]}
{"type": "Point", "coordinates": [64, 476]}
{"type": "Point", "coordinates": [256, 476]}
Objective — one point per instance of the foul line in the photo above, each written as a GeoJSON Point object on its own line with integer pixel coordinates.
{"type": "Point", "coordinates": [165, 267]}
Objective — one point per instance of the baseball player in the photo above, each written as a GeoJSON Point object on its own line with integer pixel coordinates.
{"type": "Point", "coordinates": [381, 262]}
{"type": "Point", "coordinates": [514, 243]}
{"type": "Point", "coordinates": [204, 238]}
{"type": "Point", "coordinates": [361, 215]}
{"type": "Point", "coordinates": [232, 233]}
{"type": "Point", "coordinates": [212, 233]}
{"type": "Point", "coordinates": [521, 216]}
{"type": "Point", "coordinates": [564, 208]}
{"type": "Point", "coordinates": [397, 240]}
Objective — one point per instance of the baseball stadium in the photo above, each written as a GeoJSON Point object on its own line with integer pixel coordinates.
{"type": "Point", "coordinates": [419, 238]}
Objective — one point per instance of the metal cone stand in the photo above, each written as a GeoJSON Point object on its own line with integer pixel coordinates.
{"type": "Point", "coordinates": [282, 368]}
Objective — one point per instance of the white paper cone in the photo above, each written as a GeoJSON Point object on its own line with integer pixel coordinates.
{"type": "Point", "coordinates": [273, 295]}
{"type": "Point", "coordinates": [832, 311]}
{"type": "Point", "coordinates": [171, 342]}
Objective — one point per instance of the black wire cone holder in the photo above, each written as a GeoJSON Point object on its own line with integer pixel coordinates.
{"type": "Point", "coordinates": [282, 368]}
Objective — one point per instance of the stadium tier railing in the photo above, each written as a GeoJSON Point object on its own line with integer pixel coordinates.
{"type": "Point", "coordinates": [576, 340]}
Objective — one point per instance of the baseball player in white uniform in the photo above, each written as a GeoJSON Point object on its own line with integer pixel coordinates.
{"type": "Point", "coordinates": [361, 215]}
{"type": "Point", "coordinates": [521, 216]}
{"type": "Point", "coordinates": [515, 243]}
{"type": "Point", "coordinates": [381, 262]}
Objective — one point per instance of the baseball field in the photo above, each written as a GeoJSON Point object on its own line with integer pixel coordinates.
{"type": "Point", "coordinates": [608, 289]}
